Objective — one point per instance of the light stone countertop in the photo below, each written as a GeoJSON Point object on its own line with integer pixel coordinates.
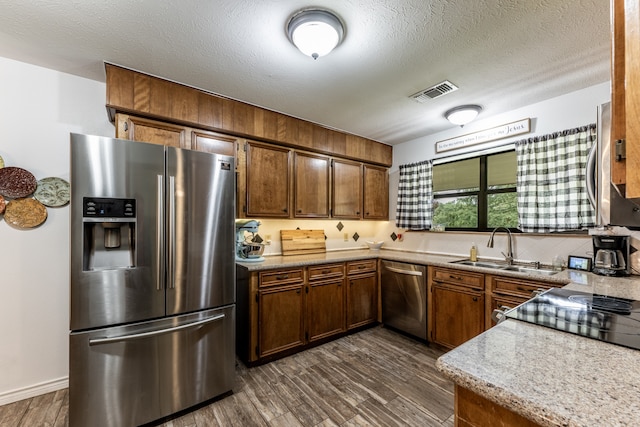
{"type": "Point", "coordinates": [551, 377]}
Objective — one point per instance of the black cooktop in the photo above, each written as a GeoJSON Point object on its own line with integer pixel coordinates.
{"type": "Point", "coordinates": [605, 318]}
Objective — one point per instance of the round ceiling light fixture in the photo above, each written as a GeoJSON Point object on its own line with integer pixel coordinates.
{"type": "Point", "coordinates": [463, 114]}
{"type": "Point", "coordinates": [315, 32]}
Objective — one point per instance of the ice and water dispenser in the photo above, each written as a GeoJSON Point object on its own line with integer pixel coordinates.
{"type": "Point", "coordinates": [109, 233]}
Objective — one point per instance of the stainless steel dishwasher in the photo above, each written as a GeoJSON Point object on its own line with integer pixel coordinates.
{"type": "Point", "coordinates": [404, 297]}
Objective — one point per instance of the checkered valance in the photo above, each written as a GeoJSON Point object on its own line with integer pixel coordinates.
{"type": "Point", "coordinates": [551, 181]}
{"type": "Point", "coordinates": [415, 196]}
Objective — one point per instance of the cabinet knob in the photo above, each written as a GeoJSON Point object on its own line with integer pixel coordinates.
{"type": "Point", "coordinates": [475, 298]}
{"type": "Point", "coordinates": [284, 210]}
{"type": "Point", "coordinates": [358, 213]}
{"type": "Point", "coordinates": [299, 210]}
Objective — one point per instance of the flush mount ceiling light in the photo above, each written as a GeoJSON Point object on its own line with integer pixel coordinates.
{"type": "Point", "coordinates": [316, 32]}
{"type": "Point", "coordinates": [463, 114]}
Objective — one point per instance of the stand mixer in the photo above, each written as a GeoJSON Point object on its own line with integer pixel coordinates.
{"type": "Point", "coordinates": [246, 249]}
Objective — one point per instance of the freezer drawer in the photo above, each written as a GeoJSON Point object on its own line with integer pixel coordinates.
{"type": "Point", "coordinates": [131, 375]}
{"type": "Point", "coordinates": [404, 297]}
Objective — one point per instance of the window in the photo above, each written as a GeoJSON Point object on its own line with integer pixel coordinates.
{"type": "Point", "coordinates": [477, 193]}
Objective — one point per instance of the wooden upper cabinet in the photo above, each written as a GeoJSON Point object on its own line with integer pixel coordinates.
{"type": "Point", "coordinates": [152, 131]}
{"type": "Point", "coordinates": [347, 189]}
{"type": "Point", "coordinates": [267, 175]}
{"type": "Point", "coordinates": [311, 182]}
{"type": "Point", "coordinates": [376, 193]}
{"type": "Point", "coordinates": [132, 92]}
{"type": "Point", "coordinates": [211, 142]}
{"type": "Point", "coordinates": [625, 94]}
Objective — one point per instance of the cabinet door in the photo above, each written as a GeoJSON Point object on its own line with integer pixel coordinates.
{"type": "Point", "coordinates": [458, 315]}
{"type": "Point", "coordinates": [152, 131]}
{"type": "Point", "coordinates": [311, 181]}
{"type": "Point", "coordinates": [325, 308]}
{"type": "Point", "coordinates": [281, 311]}
{"type": "Point", "coordinates": [267, 181]}
{"type": "Point", "coordinates": [211, 142]}
{"type": "Point", "coordinates": [362, 301]}
{"type": "Point", "coordinates": [347, 190]}
{"type": "Point", "coordinates": [376, 193]}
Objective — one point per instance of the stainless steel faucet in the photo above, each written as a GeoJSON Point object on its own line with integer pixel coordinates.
{"type": "Point", "coordinates": [509, 255]}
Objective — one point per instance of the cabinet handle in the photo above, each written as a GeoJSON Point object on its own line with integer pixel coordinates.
{"type": "Point", "coordinates": [297, 291]}
{"type": "Point", "coordinates": [126, 126]}
{"type": "Point", "coordinates": [360, 267]}
{"type": "Point", "coordinates": [282, 276]}
{"type": "Point", "coordinates": [326, 271]}
{"type": "Point", "coordinates": [520, 288]}
{"type": "Point", "coordinates": [455, 277]}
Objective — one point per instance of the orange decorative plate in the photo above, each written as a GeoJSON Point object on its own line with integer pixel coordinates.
{"type": "Point", "coordinates": [25, 213]}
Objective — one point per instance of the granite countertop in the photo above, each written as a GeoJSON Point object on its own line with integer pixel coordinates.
{"type": "Point", "coordinates": [552, 377]}
{"type": "Point", "coordinates": [440, 260]}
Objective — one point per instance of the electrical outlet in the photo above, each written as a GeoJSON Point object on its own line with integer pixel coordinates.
{"type": "Point", "coordinates": [346, 237]}
{"type": "Point", "coordinates": [267, 239]}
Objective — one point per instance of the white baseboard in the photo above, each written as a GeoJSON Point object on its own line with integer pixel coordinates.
{"type": "Point", "coordinates": [34, 390]}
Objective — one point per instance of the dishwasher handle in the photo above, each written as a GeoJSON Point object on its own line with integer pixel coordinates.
{"type": "Point", "coordinates": [401, 271]}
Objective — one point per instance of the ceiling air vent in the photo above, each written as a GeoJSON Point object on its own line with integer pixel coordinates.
{"type": "Point", "coordinates": [440, 89]}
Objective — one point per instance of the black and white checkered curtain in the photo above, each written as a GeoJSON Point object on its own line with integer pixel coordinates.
{"type": "Point", "coordinates": [415, 196]}
{"type": "Point", "coordinates": [551, 181]}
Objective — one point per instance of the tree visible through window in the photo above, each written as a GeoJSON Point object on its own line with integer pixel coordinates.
{"type": "Point", "coordinates": [477, 193]}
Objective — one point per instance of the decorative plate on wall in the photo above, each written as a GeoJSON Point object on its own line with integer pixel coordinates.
{"type": "Point", "coordinates": [25, 213]}
{"type": "Point", "coordinates": [16, 182]}
{"type": "Point", "coordinates": [52, 192]}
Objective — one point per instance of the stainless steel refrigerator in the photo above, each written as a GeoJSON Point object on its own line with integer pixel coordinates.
{"type": "Point", "coordinates": [152, 280]}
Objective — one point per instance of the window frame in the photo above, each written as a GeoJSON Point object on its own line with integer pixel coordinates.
{"type": "Point", "coordinates": [482, 193]}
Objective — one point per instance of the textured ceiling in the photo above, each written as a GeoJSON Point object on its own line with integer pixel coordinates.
{"type": "Point", "coordinates": [501, 54]}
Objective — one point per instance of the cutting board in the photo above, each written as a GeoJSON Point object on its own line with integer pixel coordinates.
{"type": "Point", "coordinates": [300, 242]}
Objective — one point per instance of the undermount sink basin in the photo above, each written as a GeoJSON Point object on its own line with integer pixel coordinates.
{"type": "Point", "coordinates": [484, 264]}
{"type": "Point", "coordinates": [505, 267]}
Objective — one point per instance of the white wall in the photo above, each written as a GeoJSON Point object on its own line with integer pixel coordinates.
{"type": "Point", "coordinates": [556, 114]}
{"type": "Point", "coordinates": [38, 110]}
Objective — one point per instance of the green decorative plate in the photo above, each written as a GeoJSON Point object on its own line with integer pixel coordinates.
{"type": "Point", "coordinates": [52, 192]}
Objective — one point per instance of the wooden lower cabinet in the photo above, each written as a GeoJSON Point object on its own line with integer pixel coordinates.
{"type": "Point", "coordinates": [281, 324]}
{"type": "Point", "coordinates": [362, 293]}
{"type": "Point", "coordinates": [284, 311]}
{"type": "Point", "coordinates": [456, 306]}
{"type": "Point", "coordinates": [473, 410]}
{"type": "Point", "coordinates": [325, 309]}
{"type": "Point", "coordinates": [509, 292]}
{"type": "Point", "coordinates": [458, 315]}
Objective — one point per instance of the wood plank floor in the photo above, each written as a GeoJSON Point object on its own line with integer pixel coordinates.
{"type": "Point", "coordinates": [372, 378]}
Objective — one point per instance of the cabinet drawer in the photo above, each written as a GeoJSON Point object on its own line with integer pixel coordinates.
{"type": "Point", "coordinates": [458, 277]}
{"type": "Point", "coordinates": [515, 287]}
{"type": "Point", "coordinates": [321, 272]}
{"type": "Point", "coordinates": [281, 277]}
{"type": "Point", "coordinates": [357, 267]}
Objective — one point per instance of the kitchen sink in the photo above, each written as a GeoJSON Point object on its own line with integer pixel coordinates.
{"type": "Point", "coordinates": [480, 264]}
{"type": "Point", "coordinates": [505, 267]}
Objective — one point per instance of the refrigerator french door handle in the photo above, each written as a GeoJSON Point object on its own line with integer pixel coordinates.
{"type": "Point", "coordinates": [591, 176]}
{"type": "Point", "coordinates": [107, 340]}
{"type": "Point", "coordinates": [401, 271]}
{"type": "Point", "coordinates": [160, 232]}
{"type": "Point", "coordinates": [172, 233]}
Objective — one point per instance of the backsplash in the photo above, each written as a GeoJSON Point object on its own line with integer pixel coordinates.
{"type": "Point", "coordinates": [341, 235]}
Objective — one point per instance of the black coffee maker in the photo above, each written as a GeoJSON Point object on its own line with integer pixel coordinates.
{"type": "Point", "coordinates": [611, 255]}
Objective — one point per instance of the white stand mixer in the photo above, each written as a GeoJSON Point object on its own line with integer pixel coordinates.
{"type": "Point", "coordinates": [246, 249]}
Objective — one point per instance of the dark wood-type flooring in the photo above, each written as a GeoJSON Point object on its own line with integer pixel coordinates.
{"type": "Point", "coordinates": [372, 378]}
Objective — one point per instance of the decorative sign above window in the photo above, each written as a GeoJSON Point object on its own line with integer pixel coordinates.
{"type": "Point", "coordinates": [493, 134]}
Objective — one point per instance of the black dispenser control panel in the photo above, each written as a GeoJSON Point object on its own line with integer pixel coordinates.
{"type": "Point", "coordinates": [94, 207]}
